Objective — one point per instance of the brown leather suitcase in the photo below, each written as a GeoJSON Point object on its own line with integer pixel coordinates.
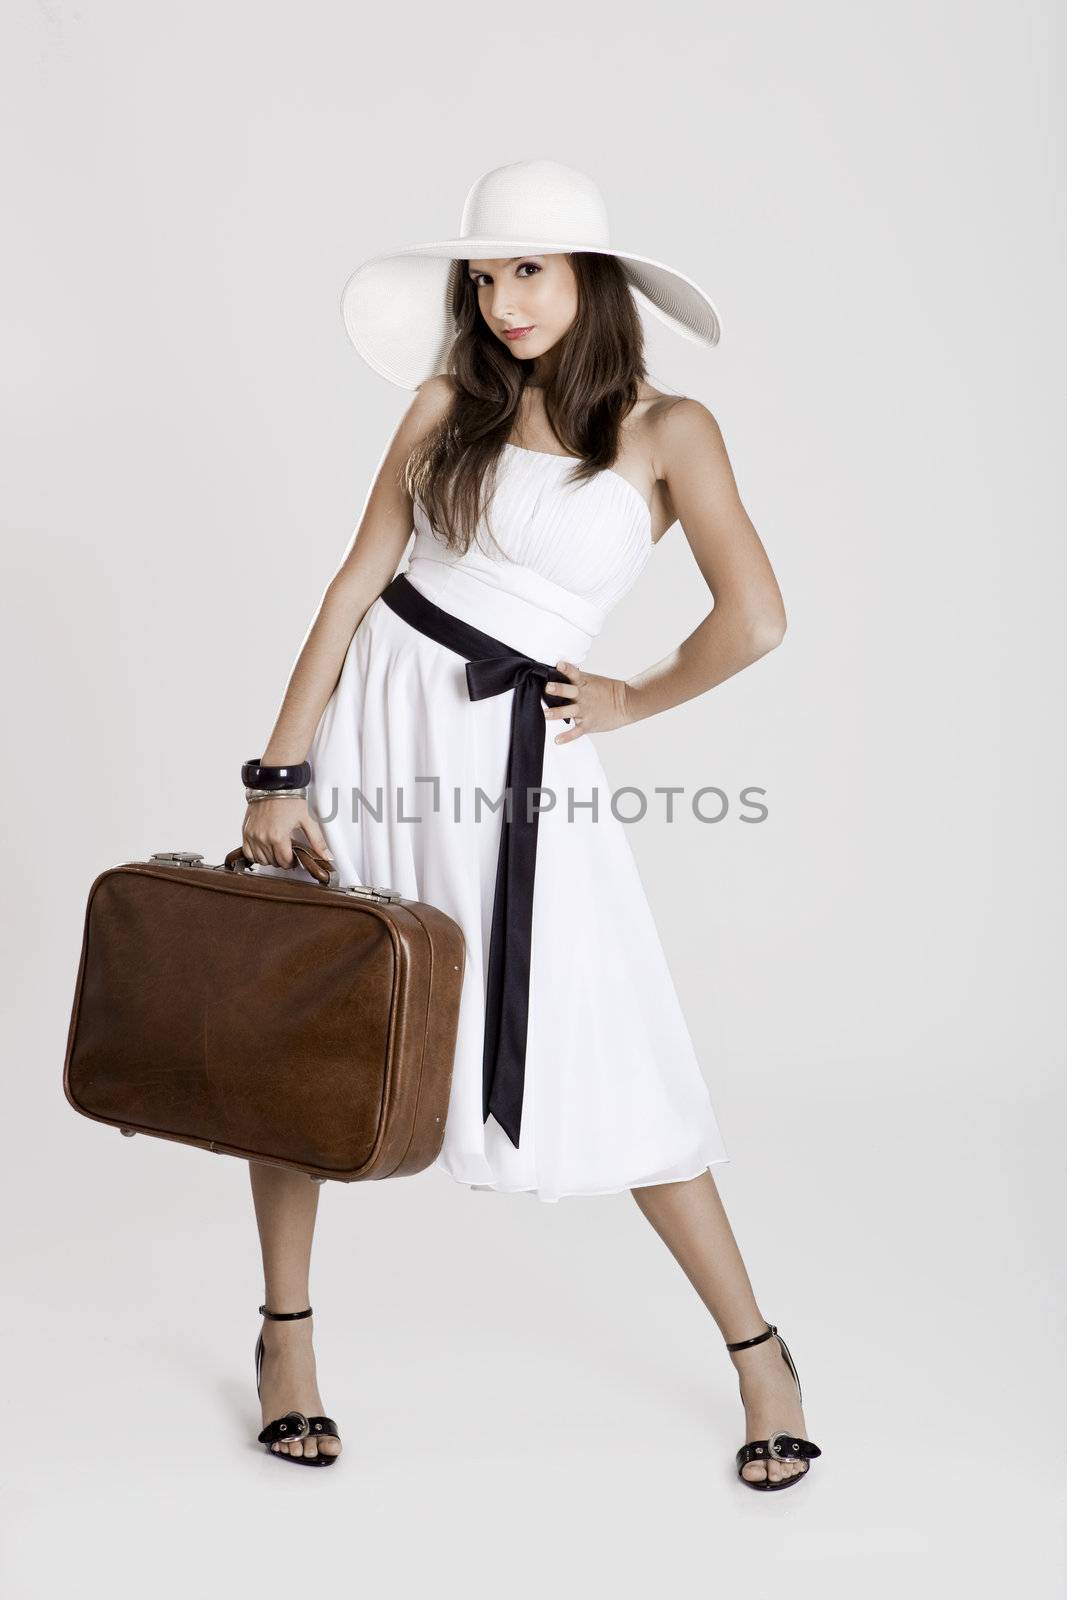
{"type": "Point", "coordinates": [280, 1019]}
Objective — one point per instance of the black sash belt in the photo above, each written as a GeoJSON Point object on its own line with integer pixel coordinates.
{"type": "Point", "coordinates": [492, 668]}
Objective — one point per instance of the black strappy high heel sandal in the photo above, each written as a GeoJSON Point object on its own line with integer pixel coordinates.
{"type": "Point", "coordinates": [294, 1425]}
{"type": "Point", "coordinates": [780, 1446]}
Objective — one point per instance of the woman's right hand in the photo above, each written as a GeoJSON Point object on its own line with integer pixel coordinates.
{"type": "Point", "coordinates": [268, 827]}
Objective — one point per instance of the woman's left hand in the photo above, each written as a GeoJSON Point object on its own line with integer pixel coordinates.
{"type": "Point", "coordinates": [596, 704]}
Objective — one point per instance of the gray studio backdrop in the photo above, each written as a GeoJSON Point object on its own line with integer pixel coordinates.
{"type": "Point", "coordinates": [531, 1397]}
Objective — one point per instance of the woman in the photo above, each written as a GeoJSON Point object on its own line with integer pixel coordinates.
{"type": "Point", "coordinates": [539, 470]}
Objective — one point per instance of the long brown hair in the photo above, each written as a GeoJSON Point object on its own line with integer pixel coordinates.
{"type": "Point", "coordinates": [596, 384]}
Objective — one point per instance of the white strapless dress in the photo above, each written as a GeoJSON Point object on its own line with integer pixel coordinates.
{"type": "Point", "coordinates": [614, 1096]}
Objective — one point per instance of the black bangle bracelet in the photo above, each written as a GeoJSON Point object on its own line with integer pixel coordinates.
{"type": "Point", "coordinates": [255, 776]}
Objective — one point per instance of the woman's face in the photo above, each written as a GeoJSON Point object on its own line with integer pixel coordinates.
{"type": "Point", "coordinates": [536, 293]}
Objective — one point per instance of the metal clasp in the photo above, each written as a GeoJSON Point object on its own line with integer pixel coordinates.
{"type": "Point", "coordinates": [178, 858]}
{"type": "Point", "coordinates": [305, 1426]}
{"type": "Point", "coordinates": [369, 892]}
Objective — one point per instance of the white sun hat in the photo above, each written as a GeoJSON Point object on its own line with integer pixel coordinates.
{"type": "Point", "coordinates": [397, 307]}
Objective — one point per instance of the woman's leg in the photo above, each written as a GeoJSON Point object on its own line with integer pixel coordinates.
{"type": "Point", "coordinates": [690, 1219]}
{"type": "Point", "coordinates": [286, 1206]}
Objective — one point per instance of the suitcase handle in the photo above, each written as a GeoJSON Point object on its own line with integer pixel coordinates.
{"type": "Point", "coordinates": [321, 869]}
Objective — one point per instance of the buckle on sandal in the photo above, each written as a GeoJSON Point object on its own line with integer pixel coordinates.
{"type": "Point", "coordinates": [773, 1450]}
{"type": "Point", "coordinates": [305, 1426]}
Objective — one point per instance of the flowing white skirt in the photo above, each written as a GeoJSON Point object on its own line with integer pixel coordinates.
{"type": "Point", "coordinates": [614, 1095]}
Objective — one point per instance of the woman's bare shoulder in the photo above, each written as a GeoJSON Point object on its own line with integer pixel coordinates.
{"type": "Point", "coordinates": [679, 425]}
{"type": "Point", "coordinates": [438, 390]}
{"type": "Point", "coordinates": [662, 422]}
{"type": "Point", "coordinates": [429, 405]}
{"type": "Point", "coordinates": [673, 411]}
{"type": "Point", "coordinates": [433, 399]}
{"type": "Point", "coordinates": [655, 410]}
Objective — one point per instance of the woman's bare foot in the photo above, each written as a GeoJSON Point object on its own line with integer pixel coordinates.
{"type": "Point", "coordinates": [288, 1383]}
{"type": "Point", "coordinates": [772, 1405]}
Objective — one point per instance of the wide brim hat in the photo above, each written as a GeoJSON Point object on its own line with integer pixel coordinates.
{"type": "Point", "coordinates": [397, 307]}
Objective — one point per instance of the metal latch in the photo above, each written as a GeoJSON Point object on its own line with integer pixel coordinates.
{"type": "Point", "coordinates": [178, 858]}
{"type": "Point", "coordinates": [369, 892]}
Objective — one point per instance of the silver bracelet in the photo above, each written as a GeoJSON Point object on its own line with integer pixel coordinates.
{"type": "Point", "coordinates": [269, 794]}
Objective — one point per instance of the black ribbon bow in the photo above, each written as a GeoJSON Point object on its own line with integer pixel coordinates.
{"type": "Point", "coordinates": [493, 667]}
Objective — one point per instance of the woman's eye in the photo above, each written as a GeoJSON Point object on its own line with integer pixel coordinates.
{"type": "Point", "coordinates": [477, 276]}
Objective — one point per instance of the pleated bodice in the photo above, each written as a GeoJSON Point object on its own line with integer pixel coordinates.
{"type": "Point", "coordinates": [579, 547]}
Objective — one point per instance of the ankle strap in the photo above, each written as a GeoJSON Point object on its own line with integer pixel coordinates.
{"type": "Point", "coordinates": [285, 1316]}
{"type": "Point", "coordinates": [743, 1344]}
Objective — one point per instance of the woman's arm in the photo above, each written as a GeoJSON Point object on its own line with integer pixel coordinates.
{"type": "Point", "coordinates": [749, 617]}
{"type": "Point", "coordinates": [368, 565]}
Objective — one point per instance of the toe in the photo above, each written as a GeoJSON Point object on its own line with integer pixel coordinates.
{"type": "Point", "coordinates": [754, 1471]}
